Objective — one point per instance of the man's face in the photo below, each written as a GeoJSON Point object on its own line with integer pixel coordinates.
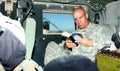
{"type": "Point", "coordinates": [81, 18]}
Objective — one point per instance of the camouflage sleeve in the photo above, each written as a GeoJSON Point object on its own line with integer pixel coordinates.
{"type": "Point", "coordinates": [103, 37]}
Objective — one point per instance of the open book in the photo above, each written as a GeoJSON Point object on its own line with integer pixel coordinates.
{"type": "Point", "coordinates": [72, 36]}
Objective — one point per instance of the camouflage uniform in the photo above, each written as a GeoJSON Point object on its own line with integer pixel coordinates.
{"type": "Point", "coordinates": [98, 33]}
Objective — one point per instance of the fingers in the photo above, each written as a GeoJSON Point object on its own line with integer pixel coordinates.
{"type": "Point", "coordinates": [70, 44]}
{"type": "Point", "coordinates": [85, 42]}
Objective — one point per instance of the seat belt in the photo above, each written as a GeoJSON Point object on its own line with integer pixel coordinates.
{"type": "Point", "coordinates": [29, 26]}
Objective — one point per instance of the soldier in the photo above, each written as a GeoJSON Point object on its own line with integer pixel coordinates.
{"type": "Point", "coordinates": [94, 38]}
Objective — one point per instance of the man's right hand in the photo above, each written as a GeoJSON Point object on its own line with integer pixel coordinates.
{"type": "Point", "coordinates": [69, 44]}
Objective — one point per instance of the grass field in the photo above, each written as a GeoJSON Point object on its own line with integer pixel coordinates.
{"type": "Point", "coordinates": [108, 63]}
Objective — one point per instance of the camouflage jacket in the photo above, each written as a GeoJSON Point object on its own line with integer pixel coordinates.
{"type": "Point", "coordinates": [100, 35]}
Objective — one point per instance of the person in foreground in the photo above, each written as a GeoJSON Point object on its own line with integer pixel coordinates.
{"type": "Point", "coordinates": [12, 47]}
{"type": "Point", "coordinates": [94, 38]}
{"type": "Point", "coordinates": [71, 63]}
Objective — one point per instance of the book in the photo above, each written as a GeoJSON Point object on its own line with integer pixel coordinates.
{"type": "Point", "coordinates": [72, 36]}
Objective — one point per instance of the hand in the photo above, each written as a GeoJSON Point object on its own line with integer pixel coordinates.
{"type": "Point", "coordinates": [69, 44]}
{"type": "Point", "coordinates": [85, 42]}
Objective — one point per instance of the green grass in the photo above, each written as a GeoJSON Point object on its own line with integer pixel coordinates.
{"type": "Point", "coordinates": [108, 63]}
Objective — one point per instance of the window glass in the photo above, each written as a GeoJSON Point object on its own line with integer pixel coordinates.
{"type": "Point", "coordinates": [57, 22]}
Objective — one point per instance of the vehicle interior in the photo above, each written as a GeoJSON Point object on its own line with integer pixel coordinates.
{"type": "Point", "coordinates": [45, 20]}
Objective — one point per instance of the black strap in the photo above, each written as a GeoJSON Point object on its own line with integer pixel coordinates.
{"type": "Point", "coordinates": [116, 39]}
{"type": "Point", "coordinates": [1, 32]}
